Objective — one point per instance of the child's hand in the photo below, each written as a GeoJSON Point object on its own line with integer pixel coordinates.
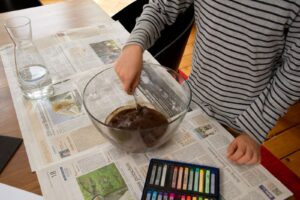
{"type": "Point", "coordinates": [128, 67]}
{"type": "Point", "coordinates": [244, 150]}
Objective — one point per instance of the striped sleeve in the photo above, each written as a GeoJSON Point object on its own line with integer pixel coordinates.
{"type": "Point", "coordinates": [283, 91]}
{"type": "Point", "coordinates": [152, 21]}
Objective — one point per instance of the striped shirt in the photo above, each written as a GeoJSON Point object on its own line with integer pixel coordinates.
{"type": "Point", "coordinates": [246, 59]}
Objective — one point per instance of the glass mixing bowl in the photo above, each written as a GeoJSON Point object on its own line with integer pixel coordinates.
{"type": "Point", "coordinates": [160, 88]}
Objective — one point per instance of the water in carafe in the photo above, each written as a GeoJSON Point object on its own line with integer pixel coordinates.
{"type": "Point", "coordinates": [35, 81]}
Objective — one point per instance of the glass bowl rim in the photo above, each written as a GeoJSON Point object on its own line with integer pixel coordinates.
{"type": "Point", "coordinates": [145, 129]}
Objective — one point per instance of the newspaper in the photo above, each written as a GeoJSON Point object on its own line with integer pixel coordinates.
{"type": "Point", "coordinates": [200, 140]}
{"type": "Point", "coordinates": [68, 152]}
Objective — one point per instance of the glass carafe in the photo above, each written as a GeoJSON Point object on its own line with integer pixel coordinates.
{"type": "Point", "coordinates": [33, 76]}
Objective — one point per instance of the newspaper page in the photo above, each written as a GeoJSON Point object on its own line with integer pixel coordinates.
{"type": "Point", "coordinates": [70, 154]}
{"type": "Point", "coordinates": [107, 172]}
{"type": "Point", "coordinates": [50, 127]}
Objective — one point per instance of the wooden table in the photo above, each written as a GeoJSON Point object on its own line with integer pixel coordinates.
{"type": "Point", "coordinates": [45, 20]}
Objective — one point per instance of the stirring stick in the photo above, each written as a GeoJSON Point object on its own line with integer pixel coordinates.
{"type": "Point", "coordinates": [135, 100]}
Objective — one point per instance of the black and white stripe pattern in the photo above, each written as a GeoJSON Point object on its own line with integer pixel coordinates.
{"type": "Point", "coordinates": [246, 62]}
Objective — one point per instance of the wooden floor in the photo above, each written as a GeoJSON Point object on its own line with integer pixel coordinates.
{"type": "Point", "coordinates": [284, 138]}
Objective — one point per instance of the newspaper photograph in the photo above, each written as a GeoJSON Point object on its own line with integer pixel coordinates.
{"type": "Point", "coordinates": [108, 51]}
{"type": "Point", "coordinates": [104, 182]}
{"type": "Point", "coordinates": [81, 176]}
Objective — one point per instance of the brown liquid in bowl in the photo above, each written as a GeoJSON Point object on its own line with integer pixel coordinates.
{"type": "Point", "coordinates": [149, 123]}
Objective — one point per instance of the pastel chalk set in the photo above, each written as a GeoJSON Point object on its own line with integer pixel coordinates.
{"type": "Point", "coordinates": [172, 180]}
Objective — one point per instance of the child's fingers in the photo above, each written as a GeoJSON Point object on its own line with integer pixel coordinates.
{"type": "Point", "coordinates": [231, 148]}
{"type": "Point", "coordinates": [247, 157]}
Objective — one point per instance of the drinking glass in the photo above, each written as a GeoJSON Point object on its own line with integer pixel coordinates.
{"type": "Point", "coordinates": [33, 76]}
